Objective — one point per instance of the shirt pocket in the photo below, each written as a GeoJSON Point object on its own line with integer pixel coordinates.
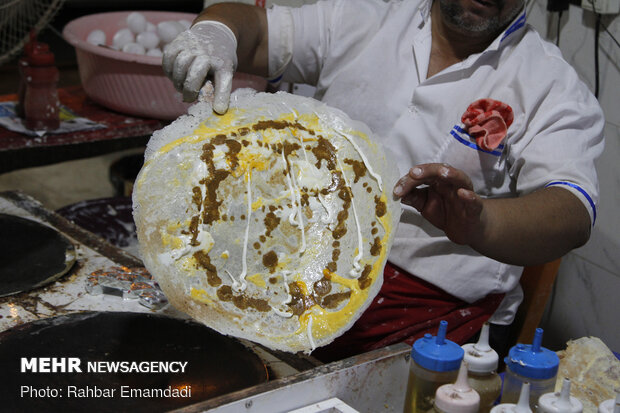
{"type": "Point", "coordinates": [486, 168]}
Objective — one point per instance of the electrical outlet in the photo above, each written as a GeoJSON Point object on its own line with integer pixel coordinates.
{"type": "Point", "coordinates": [602, 6]}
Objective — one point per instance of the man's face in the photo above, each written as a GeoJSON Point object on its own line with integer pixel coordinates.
{"type": "Point", "coordinates": [479, 18]}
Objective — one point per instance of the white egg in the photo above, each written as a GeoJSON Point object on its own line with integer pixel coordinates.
{"type": "Point", "coordinates": [122, 37]}
{"type": "Point", "coordinates": [186, 24]}
{"type": "Point", "coordinates": [150, 27]}
{"type": "Point", "coordinates": [168, 30]}
{"type": "Point", "coordinates": [148, 40]}
{"type": "Point", "coordinates": [136, 22]}
{"type": "Point", "coordinates": [96, 37]}
{"type": "Point", "coordinates": [134, 48]}
{"type": "Point", "coordinates": [154, 52]}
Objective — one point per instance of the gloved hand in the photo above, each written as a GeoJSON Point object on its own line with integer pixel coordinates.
{"type": "Point", "coordinates": [208, 48]}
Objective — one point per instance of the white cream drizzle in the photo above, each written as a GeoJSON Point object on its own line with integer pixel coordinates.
{"type": "Point", "coordinates": [244, 270]}
{"type": "Point", "coordinates": [289, 297]}
{"type": "Point", "coordinates": [356, 271]}
{"type": "Point", "coordinates": [205, 242]}
{"type": "Point", "coordinates": [372, 173]}
{"type": "Point", "coordinates": [296, 201]}
{"type": "Point", "coordinates": [329, 218]}
{"type": "Point", "coordinates": [236, 285]}
{"type": "Point", "coordinates": [309, 332]}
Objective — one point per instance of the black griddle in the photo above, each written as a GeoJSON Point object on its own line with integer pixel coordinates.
{"type": "Point", "coordinates": [216, 364]}
{"type": "Point", "coordinates": [31, 255]}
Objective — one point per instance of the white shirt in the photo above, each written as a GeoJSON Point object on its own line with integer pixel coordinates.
{"type": "Point", "coordinates": [370, 59]}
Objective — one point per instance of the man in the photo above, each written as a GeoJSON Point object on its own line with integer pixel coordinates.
{"type": "Point", "coordinates": [493, 132]}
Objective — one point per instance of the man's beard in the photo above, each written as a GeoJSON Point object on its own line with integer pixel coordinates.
{"type": "Point", "coordinates": [457, 17]}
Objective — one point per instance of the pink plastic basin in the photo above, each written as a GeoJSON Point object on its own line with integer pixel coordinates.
{"type": "Point", "coordinates": [130, 83]}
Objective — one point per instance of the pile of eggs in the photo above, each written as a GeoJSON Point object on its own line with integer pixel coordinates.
{"type": "Point", "coordinates": [141, 36]}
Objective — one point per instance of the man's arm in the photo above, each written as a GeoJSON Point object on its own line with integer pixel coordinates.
{"type": "Point", "coordinates": [222, 37]}
{"type": "Point", "coordinates": [249, 25]}
{"type": "Point", "coordinates": [528, 230]}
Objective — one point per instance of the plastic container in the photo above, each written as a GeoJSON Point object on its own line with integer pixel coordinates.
{"type": "Point", "coordinates": [434, 361]}
{"type": "Point", "coordinates": [482, 363]}
{"type": "Point", "coordinates": [530, 363]}
{"type": "Point", "coordinates": [522, 406]}
{"type": "Point", "coordinates": [458, 397]}
{"type": "Point", "coordinates": [610, 405]}
{"type": "Point", "coordinates": [561, 402]}
{"type": "Point", "coordinates": [131, 83]}
{"type": "Point", "coordinates": [38, 102]}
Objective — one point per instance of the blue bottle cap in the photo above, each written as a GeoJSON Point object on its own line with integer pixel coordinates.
{"type": "Point", "coordinates": [532, 360]}
{"type": "Point", "coordinates": [437, 353]}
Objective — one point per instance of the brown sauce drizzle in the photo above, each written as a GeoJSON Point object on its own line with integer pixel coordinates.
{"type": "Point", "coordinates": [205, 262]}
{"type": "Point", "coordinates": [364, 280]}
{"type": "Point", "coordinates": [242, 301]}
{"type": "Point", "coordinates": [322, 287]}
{"type": "Point", "coordinates": [299, 301]}
{"type": "Point", "coordinates": [197, 197]}
{"type": "Point", "coordinates": [342, 216]}
{"type": "Point", "coordinates": [193, 229]}
{"type": "Point", "coordinates": [380, 208]}
{"type": "Point", "coordinates": [210, 203]}
{"type": "Point", "coordinates": [359, 168]}
{"type": "Point", "coordinates": [270, 260]}
{"type": "Point", "coordinates": [324, 150]}
{"type": "Point", "coordinates": [333, 300]}
{"type": "Point", "coordinates": [271, 221]}
{"type": "Point", "coordinates": [375, 248]}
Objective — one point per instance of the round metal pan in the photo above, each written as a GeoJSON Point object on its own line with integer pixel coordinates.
{"type": "Point", "coordinates": [216, 364]}
{"type": "Point", "coordinates": [31, 255]}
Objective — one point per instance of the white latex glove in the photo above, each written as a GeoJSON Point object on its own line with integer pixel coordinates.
{"type": "Point", "coordinates": [208, 48]}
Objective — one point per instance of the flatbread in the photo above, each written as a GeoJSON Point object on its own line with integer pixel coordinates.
{"type": "Point", "coordinates": [272, 222]}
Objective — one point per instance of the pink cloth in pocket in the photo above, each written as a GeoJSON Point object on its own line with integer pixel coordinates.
{"type": "Point", "coordinates": [487, 121]}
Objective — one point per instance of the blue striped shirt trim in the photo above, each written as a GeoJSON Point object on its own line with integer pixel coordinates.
{"type": "Point", "coordinates": [583, 192]}
{"type": "Point", "coordinates": [514, 27]}
{"type": "Point", "coordinates": [455, 133]}
{"type": "Point", "coordinates": [276, 80]}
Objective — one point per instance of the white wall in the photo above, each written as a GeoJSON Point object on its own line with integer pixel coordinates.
{"type": "Point", "coordinates": [586, 299]}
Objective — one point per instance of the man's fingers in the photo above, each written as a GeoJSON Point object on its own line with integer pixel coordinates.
{"type": "Point", "coordinates": [436, 173]}
{"type": "Point", "coordinates": [196, 77]}
{"type": "Point", "coordinates": [223, 86]}
{"type": "Point", "coordinates": [170, 54]}
{"type": "Point", "coordinates": [179, 72]}
{"type": "Point", "coordinates": [416, 198]}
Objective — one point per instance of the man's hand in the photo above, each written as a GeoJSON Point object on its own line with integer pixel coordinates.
{"type": "Point", "coordinates": [446, 199]}
{"type": "Point", "coordinates": [207, 49]}
{"type": "Point", "coordinates": [526, 230]}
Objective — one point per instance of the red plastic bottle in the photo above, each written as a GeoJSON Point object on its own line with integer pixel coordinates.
{"type": "Point", "coordinates": [38, 95]}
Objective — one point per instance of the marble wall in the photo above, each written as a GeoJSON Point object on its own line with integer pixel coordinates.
{"type": "Point", "coordinates": [588, 284]}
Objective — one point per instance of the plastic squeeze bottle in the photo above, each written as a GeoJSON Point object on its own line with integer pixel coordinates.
{"type": "Point", "coordinates": [610, 405]}
{"type": "Point", "coordinates": [561, 402]}
{"type": "Point", "coordinates": [458, 397]}
{"type": "Point", "coordinates": [534, 364]}
{"type": "Point", "coordinates": [40, 97]}
{"type": "Point", "coordinates": [434, 361]}
{"type": "Point", "coordinates": [482, 363]}
{"type": "Point", "coordinates": [522, 406]}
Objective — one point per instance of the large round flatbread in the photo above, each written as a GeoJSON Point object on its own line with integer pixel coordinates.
{"type": "Point", "coordinates": [272, 222]}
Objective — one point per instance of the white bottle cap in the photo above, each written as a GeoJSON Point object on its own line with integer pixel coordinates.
{"type": "Point", "coordinates": [522, 406]}
{"type": "Point", "coordinates": [561, 402]}
{"type": "Point", "coordinates": [458, 397]}
{"type": "Point", "coordinates": [480, 357]}
{"type": "Point", "coordinates": [611, 405]}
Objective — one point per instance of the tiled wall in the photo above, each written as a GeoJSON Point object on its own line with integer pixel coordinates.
{"type": "Point", "coordinates": [586, 299]}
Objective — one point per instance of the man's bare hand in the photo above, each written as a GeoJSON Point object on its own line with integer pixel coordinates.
{"type": "Point", "coordinates": [445, 197]}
